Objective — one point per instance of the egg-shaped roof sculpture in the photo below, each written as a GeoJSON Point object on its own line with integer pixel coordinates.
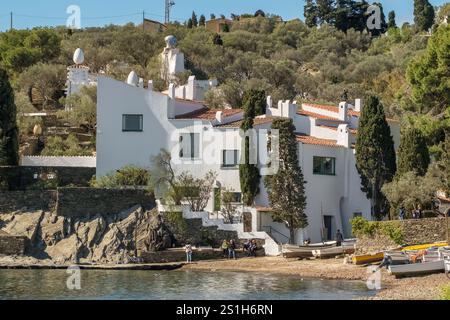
{"type": "Point", "coordinates": [133, 79]}
{"type": "Point", "coordinates": [171, 41]}
{"type": "Point", "coordinates": [78, 56]}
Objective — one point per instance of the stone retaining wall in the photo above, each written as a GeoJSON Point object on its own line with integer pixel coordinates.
{"type": "Point", "coordinates": [421, 231]}
{"type": "Point", "coordinates": [85, 202]}
{"type": "Point", "coordinates": [10, 245]}
{"type": "Point", "coordinates": [30, 178]}
{"type": "Point", "coordinates": [27, 200]}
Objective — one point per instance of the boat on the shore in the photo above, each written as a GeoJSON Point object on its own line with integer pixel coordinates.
{"type": "Point", "coordinates": [417, 268]}
{"type": "Point", "coordinates": [305, 251]}
{"type": "Point", "coordinates": [333, 252]}
{"type": "Point", "coordinates": [425, 246]}
{"type": "Point", "coordinates": [368, 258]}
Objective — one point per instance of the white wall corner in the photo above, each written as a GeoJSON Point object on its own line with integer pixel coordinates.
{"type": "Point", "coordinates": [141, 83]}
{"type": "Point", "coordinates": [172, 91]}
{"type": "Point", "coordinates": [269, 103]}
{"type": "Point", "coordinates": [343, 110]}
{"type": "Point", "coordinates": [344, 135]}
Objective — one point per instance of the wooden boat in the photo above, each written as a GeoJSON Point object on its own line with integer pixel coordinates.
{"type": "Point", "coordinates": [412, 269]}
{"type": "Point", "coordinates": [333, 252]}
{"type": "Point", "coordinates": [368, 258]}
{"type": "Point", "coordinates": [293, 251]}
{"type": "Point", "coordinates": [426, 246]}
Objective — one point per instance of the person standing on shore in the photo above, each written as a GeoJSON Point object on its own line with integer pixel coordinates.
{"type": "Point", "coordinates": [225, 246]}
{"type": "Point", "coordinates": [188, 249]}
{"type": "Point", "coordinates": [232, 250]}
{"type": "Point", "coordinates": [402, 214]}
{"type": "Point", "coordinates": [339, 238]}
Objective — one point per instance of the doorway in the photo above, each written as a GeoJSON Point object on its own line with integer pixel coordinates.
{"type": "Point", "coordinates": [328, 222]}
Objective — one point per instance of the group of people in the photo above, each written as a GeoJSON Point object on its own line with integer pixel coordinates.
{"type": "Point", "coordinates": [228, 249]}
{"type": "Point", "coordinates": [416, 213]}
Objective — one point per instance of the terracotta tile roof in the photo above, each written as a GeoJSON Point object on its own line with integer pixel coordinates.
{"type": "Point", "coordinates": [316, 115]}
{"type": "Point", "coordinates": [263, 209]}
{"type": "Point", "coordinates": [305, 139]}
{"type": "Point", "coordinates": [238, 124]}
{"type": "Point", "coordinates": [207, 114]}
{"type": "Point", "coordinates": [351, 112]}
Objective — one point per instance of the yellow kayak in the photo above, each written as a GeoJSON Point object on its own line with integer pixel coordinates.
{"type": "Point", "coordinates": [368, 258]}
{"type": "Point", "coordinates": [425, 246]}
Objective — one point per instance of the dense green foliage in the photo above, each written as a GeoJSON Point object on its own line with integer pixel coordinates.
{"type": "Point", "coordinates": [413, 153]}
{"type": "Point", "coordinates": [128, 176]}
{"type": "Point", "coordinates": [423, 14]}
{"type": "Point", "coordinates": [286, 188]}
{"type": "Point", "coordinates": [57, 146]}
{"type": "Point", "coordinates": [375, 154]}
{"type": "Point", "coordinates": [248, 171]}
{"type": "Point", "coordinates": [9, 140]}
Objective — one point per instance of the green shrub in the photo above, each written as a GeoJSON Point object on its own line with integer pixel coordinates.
{"type": "Point", "coordinates": [391, 229]}
{"type": "Point", "coordinates": [128, 176]}
{"type": "Point", "coordinates": [446, 293]}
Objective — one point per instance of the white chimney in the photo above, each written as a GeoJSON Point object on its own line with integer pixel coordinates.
{"type": "Point", "coordinates": [219, 116]}
{"type": "Point", "coordinates": [358, 105]}
{"type": "Point", "coordinates": [343, 110]}
{"type": "Point", "coordinates": [344, 135]}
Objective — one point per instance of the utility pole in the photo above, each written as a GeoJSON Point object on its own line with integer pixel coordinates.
{"type": "Point", "coordinates": [143, 20]}
{"type": "Point", "coordinates": [169, 4]}
{"type": "Point", "coordinates": [11, 21]}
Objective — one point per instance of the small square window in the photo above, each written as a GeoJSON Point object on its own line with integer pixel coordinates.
{"type": "Point", "coordinates": [324, 166]}
{"type": "Point", "coordinates": [230, 158]}
{"type": "Point", "coordinates": [190, 146]}
{"type": "Point", "coordinates": [132, 123]}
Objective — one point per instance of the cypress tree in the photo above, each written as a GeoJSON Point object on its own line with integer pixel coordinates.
{"type": "Point", "coordinates": [375, 155]}
{"type": "Point", "coordinates": [9, 132]}
{"type": "Point", "coordinates": [212, 16]}
{"type": "Point", "coordinates": [258, 99]}
{"type": "Point", "coordinates": [286, 189]}
{"type": "Point", "coordinates": [413, 153]}
{"type": "Point", "coordinates": [194, 19]}
{"type": "Point", "coordinates": [423, 15]}
{"type": "Point", "coordinates": [189, 23]}
{"type": "Point", "coordinates": [310, 13]}
{"type": "Point", "coordinates": [202, 21]}
{"type": "Point", "coordinates": [248, 173]}
{"type": "Point", "coordinates": [342, 14]}
{"type": "Point", "coordinates": [391, 20]}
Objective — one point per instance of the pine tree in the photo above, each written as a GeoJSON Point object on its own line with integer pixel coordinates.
{"type": "Point", "coordinates": [413, 153]}
{"type": "Point", "coordinates": [248, 173]}
{"type": "Point", "coordinates": [189, 23]}
{"type": "Point", "coordinates": [325, 11]}
{"type": "Point", "coordinates": [423, 15]}
{"type": "Point", "coordinates": [342, 14]}
{"type": "Point", "coordinates": [310, 13]}
{"type": "Point", "coordinates": [202, 21]}
{"type": "Point", "coordinates": [9, 132]}
{"type": "Point", "coordinates": [375, 154]}
{"type": "Point", "coordinates": [194, 19]}
{"type": "Point", "coordinates": [391, 20]}
{"type": "Point", "coordinates": [286, 189]}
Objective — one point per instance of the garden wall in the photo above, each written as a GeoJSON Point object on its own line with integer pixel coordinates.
{"type": "Point", "coordinates": [84, 202]}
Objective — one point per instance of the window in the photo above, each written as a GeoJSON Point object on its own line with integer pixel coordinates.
{"type": "Point", "coordinates": [230, 158]}
{"type": "Point", "coordinates": [132, 123]}
{"type": "Point", "coordinates": [190, 146]}
{"type": "Point", "coordinates": [324, 166]}
{"type": "Point", "coordinates": [357, 214]}
{"type": "Point", "coordinates": [237, 197]}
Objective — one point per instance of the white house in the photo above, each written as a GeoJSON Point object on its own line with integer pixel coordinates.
{"type": "Point", "coordinates": [135, 123]}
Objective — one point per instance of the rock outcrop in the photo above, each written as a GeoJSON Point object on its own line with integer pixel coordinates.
{"type": "Point", "coordinates": [113, 238]}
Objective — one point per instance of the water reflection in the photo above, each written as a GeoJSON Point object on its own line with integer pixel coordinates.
{"type": "Point", "coordinates": [172, 285]}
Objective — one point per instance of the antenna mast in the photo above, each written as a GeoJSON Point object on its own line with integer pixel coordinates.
{"type": "Point", "coordinates": [169, 4]}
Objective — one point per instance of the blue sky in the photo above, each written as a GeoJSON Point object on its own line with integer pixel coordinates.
{"type": "Point", "coordinates": [28, 13]}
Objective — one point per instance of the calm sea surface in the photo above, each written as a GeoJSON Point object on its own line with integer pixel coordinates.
{"type": "Point", "coordinates": [172, 285]}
